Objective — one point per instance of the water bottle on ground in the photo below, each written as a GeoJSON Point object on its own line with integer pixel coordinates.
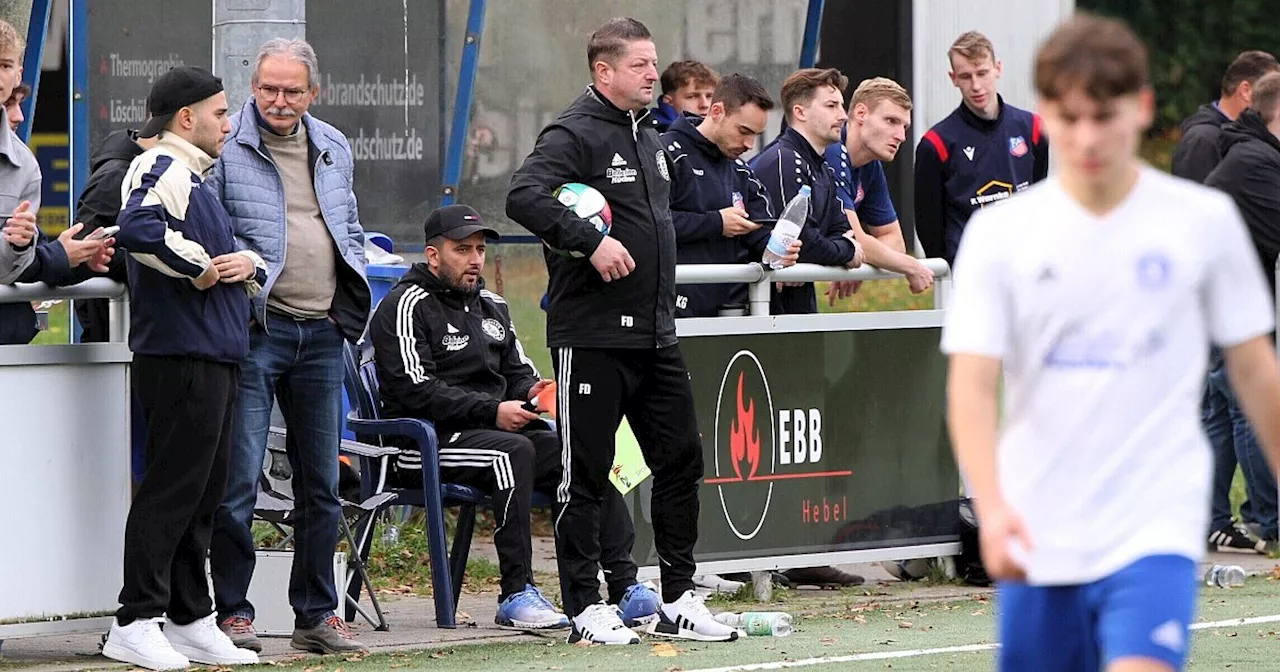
{"type": "Point", "coordinates": [1224, 576]}
{"type": "Point", "coordinates": [787, 228]}
{"type": "Point", "coordinates": [758, 623]}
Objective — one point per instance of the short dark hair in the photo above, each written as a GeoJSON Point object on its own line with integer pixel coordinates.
{"type": "Point", "coordinates": [22, 90]}
{"type": "Point", "coordinates": [737, 89]}
{"type": "Point", "coordinates": [1266, 96]}
{"type": "Point", "coordinates": [1100, 55]}
{"type": "Point", "coordinates": [610, 40]}
{"type": "Point", "coordinates": [1249, 66]}
{"type": "Point", "coordinates": [682, 73]}
{"type": "Point", "coordinates": [801, 86]}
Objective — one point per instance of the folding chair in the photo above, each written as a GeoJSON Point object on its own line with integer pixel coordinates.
{"type": "Point", "coordinates": [447, 571]}
{"type": "Point", "coordinates": [276, 507]}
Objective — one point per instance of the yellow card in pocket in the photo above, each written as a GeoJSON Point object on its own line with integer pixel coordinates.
{"type": "Point", "coordinates": [629, 468]}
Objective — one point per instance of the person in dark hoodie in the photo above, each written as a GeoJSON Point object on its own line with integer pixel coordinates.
{"type": "Point", "coordinates": [1200, 147]}
{"type": "Point", "coordinates": [98, 208]}
{"type": "Point", "coordinates": [1250, 173]}
{"type": "Point", "coordinates": [716, 200]}
{"type": "Point", "coordinates": [611, 325]}
{"type": "Point", "coordinates": [1195, 157]}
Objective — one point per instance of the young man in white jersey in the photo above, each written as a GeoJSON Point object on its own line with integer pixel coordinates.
{"type": "Point", "coordinates": [1093, 495]}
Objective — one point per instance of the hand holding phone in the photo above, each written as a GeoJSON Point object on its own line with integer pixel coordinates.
{"type": "Point", "coordinates": [104, 232]}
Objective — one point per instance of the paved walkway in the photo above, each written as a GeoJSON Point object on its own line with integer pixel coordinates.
{"type": "Point", "coordinates": [412, 619]}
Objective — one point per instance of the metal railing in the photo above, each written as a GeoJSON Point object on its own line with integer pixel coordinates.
{"type": "Point", "coordinates": [93, 288]}
{"type": "Point", "coordinates": [759, 278]}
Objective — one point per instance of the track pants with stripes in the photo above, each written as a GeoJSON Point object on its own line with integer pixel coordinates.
{"type": "Point", "coordinates": [596, 388]}
{"type": "Point", "coordinates": [512, 465]}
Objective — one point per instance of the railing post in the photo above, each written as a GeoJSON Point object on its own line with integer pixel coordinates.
{"type": "Point", "coordinates": [941, 292]}
{"type": "Point", "coordinates": [118, 319]}
{"type": "Point", "coordinates": [758, 295]}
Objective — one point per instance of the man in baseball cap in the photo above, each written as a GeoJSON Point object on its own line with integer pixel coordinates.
{"type": "Point", "coordinates": [446, 351]}
{"type": "Point", "coordinates": [183, 86]}
{"type": "Point", "coordinates": [189, 332]}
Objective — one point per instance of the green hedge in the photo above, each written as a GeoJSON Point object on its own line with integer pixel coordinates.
{"type": "Point", "coordinates": [1191, 43]}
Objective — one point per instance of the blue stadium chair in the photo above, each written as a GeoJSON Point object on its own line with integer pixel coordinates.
{"type": "Point", "coordinates": [365, 420]}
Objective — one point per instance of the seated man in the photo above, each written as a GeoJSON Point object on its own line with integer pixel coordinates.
{"type": "Point", "coordinates": [446, 350]}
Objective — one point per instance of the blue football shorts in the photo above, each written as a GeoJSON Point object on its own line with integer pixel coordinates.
{"type": "Point", "coordinates": [1143, 610]}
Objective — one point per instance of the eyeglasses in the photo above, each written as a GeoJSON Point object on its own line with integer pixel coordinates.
{"type": "Point", "coordinates": [291, 96]}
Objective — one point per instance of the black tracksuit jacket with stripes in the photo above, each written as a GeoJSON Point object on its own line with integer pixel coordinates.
{"type": "Point", "coordinates": [446, 356]}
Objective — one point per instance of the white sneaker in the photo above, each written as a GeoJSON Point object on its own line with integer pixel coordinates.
{"type": "Point", "coordinates": [141, 643]}
{"type": "Point", "coordinates": [600, 624]}
{"type": "Point", "coordinates": [717, 583]}
{"type": "Point", "coordinates": [203, 642]}
{"type": "Point", "coordinates": [688, 618]}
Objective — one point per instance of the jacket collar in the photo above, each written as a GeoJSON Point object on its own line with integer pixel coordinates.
{"type": "Point", "coordinates": [792, 138]}
{"type": "Point", "coordinates": [978, 122]}
{"type": "Point", "coordinates": [191, 156]}
{"type": "Point", "coordinates": [249, 133]}
{"type": "Point", "coordinates": [688, 128]}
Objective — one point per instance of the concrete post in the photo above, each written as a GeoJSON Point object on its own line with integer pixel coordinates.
{"type": "Point", "coordinates": [239, 28]}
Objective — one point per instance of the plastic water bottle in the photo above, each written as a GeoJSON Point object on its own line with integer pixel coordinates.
{"type": "Point", "coordinates": [787, 228]}
{"type": "Point", "coordinates": [758, 623]}
{"type": "Point", "coordinates": [1224, 576]}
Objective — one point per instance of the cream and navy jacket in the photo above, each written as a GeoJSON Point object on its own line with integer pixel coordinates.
{"type": "Point", "coordinates": [172, 226]}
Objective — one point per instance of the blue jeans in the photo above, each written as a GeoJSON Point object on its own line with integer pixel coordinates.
{"type": "Point", "coordinates": [298, 364]}
{"type": "Point", "coordinates": [1233, 442]}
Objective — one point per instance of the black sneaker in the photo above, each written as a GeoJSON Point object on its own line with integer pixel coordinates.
{"type": "Point", "coordinates": [822, 577]}
{"type": "Point", "coordinates": [1235, 539]}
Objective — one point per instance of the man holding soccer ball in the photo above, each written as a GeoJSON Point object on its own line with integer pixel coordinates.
{"type": "Point", "coordinates": [611, 327]}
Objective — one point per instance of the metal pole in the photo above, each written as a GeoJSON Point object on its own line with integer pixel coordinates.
{"type": "Point", "coordinates": [812, 28]}
{"type": "Point", "coordinates": [758, 296]}
{"type": "Point", "coordinates": [37, 31]}
{"type": "Point", "coordinates": [78, 72]}
{"type": "Point", "coordinates": [462, 103]}
{"type": "Point", "coordinates": [118, 320]}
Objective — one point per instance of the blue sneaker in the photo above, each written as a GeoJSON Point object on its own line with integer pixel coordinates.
{"type": "Point", "coordinates": [639, 606]}
{"type": "Point", "coordinates": [529, 610]}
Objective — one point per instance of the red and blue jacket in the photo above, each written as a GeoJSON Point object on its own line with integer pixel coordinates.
{"type": "Point", "coordinates": [966, 162]}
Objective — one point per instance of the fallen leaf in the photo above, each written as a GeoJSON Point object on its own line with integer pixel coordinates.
{"type": "Point", "coordinates": [664, 650]}
{"type": "Point", "coordinates": [978, 612]}
{"type": "Point", "coordinates": [828, 640]}
{"type": "Point", "coordinates": [904, 624]}
{"type": "Point", "coordinates": [860, 619]}
{"type": "Point", "coordinates": [582, 644]}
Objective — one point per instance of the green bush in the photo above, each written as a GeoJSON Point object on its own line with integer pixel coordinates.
{"type": "Point", "coordinates": [1191, 43]}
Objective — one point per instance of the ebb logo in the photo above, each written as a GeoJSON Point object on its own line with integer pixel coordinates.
{"type": "Point", "coordinates": [756, 445]}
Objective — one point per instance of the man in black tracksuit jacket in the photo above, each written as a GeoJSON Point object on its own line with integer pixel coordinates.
{"type": "Point", "coordinates": [611, 325]}
{"type": "Point", "coordinates": [448, 352]}
{"type": "Point", "coordinates": [1200, 148]}
{"type": "Point", "coordinates": [716, 200]}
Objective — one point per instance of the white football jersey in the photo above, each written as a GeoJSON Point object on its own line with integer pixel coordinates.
{"type": "Point", "coordinates": [1103, 325]}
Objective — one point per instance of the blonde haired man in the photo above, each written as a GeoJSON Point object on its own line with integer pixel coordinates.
{"type": "Point", "coordinates": [879, 115]}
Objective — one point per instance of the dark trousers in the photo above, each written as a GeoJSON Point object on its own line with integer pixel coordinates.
{"type": "Point", "coordinates": [512, 465]}
{"type": "Point", "coordinates": [188, 404]}
{"type": "Point", "coordinates": [596, 388]}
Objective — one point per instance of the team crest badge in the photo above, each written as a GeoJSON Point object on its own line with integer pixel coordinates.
{"type": "Point", "coordinates": [494, 329]}
{"type": "Point", "coordinates": [1017, 146]}
{"type": "Point", "coordinates": [661, 158]}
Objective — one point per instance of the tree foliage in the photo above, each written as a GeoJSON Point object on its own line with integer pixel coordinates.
{"type": "Point", "coordinates": [1191, 42]}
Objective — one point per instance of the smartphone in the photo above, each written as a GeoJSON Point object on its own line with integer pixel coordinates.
{"type": "Point", "coordinates": [104, 232]}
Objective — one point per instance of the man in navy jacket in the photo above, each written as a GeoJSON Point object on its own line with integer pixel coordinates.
{"type": "Point", "coordinates": [716, 200]}
{"type": "Point", "coordinates": [813, 102]}
{"type": "Point", "coordinates": [983, 152]}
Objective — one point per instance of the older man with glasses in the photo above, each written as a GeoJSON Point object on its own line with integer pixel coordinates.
{"type": "Point", "coordinates": [285, 178]}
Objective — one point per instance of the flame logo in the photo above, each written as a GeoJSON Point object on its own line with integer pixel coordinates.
{"type": "Point", "coordinates": [744, 437]}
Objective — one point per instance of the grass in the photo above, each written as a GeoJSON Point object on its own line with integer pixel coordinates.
{"type": "Point", "coordinates": [830, 624]}
{"type": "Point", "coordinates": [59, 331]}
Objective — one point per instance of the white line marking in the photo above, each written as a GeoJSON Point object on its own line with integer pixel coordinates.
{"type": "Point", "coordinates": [971, 648]}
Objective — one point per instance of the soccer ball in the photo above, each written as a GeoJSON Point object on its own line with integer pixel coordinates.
{"type": "Point", "coordinates": [587, 203]}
